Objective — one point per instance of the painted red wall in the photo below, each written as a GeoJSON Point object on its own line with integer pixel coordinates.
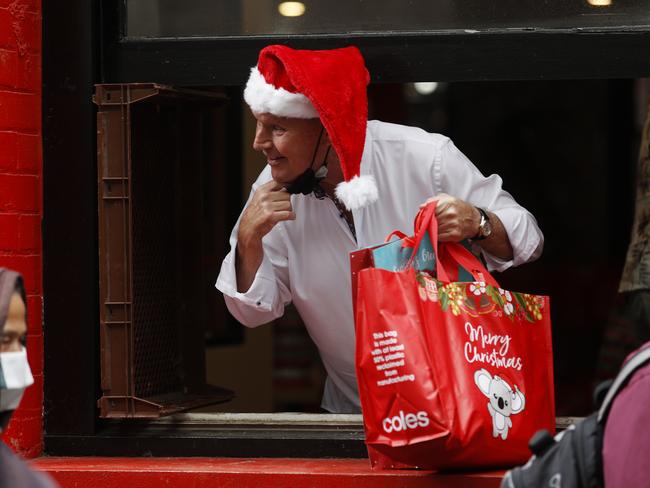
{"type": "Point", "coordinates": [20, 193]}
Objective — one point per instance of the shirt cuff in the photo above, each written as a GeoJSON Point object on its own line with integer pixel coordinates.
{"type": "Point", "coordinates": [259, 296]}
{"type": "Point", "coordinates": [525, 238]}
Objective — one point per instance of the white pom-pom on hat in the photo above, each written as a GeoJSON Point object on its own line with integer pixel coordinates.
{"type": "Point", "coordinates": [357, 193]}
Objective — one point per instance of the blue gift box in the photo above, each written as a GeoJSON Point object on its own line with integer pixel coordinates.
{"type": "Point", "coordinates": [393, 256]}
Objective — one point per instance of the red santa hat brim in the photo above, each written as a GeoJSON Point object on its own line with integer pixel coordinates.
{"type": "Point", "coordinates": [263, 97]}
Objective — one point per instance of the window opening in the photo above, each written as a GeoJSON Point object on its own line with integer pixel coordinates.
{"type": "Point", "coordinates": [560, 154]}
{"type": "Point", "coordinates": [204, 18]}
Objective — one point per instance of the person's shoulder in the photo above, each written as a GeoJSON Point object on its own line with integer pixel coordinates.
{"type": "Point", "coordinates": [389, 132]}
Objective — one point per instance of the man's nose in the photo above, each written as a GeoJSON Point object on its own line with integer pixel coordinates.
{"type": "Point", "coordinates": [262, 140]}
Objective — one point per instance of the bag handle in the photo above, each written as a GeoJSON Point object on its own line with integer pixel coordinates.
{"type": "Point", "coordinates": [408, 241]}
{"type": "Point", "coordinates": [447, 253]}
{"type": "Point", "coordinates": [460, 255]}
{"type": "Point", "coordinates": [422, 224]}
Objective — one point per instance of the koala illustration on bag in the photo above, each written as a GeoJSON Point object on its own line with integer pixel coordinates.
{"type": "Point", "coordinates": [503, 401]}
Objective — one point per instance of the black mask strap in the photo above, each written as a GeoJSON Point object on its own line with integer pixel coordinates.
{"type": "Point", "coordinates": [306, 182]}
{"type": "Point", "coordinates": [313, 156]}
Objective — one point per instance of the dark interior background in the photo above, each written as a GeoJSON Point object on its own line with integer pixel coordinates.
{"type": "Point", "coordinates": [566, 151]}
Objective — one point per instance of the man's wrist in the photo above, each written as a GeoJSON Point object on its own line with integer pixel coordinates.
{"type": "Point", "coordinates": [484, 226]}
{"type": "Point", "coordinates": [247, 248]}
{"type": "Point", "coordinates": [477, 220]}
{"type": "Point", "coordinates": [248, 241]}
{"type": "Point", "coordinates": [248, 259]}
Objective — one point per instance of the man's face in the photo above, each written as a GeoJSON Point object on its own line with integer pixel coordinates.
{"type": "Point", "coordinates": [288, 144]}
{"type": "Point", "coordinates": [13, 335]}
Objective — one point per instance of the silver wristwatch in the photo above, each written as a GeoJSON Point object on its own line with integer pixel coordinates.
{"type": "Point", "coordinates": [484, 227]}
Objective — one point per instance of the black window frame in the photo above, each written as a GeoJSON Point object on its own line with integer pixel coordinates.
{"type": "Point", "coordinates": [83, 45]}
{"type": "Point", "coordinates": [530, 53]}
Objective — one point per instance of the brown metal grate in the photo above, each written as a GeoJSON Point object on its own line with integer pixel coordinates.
{"type": "Point", "coordinates": [157, 357]}
{"type": "Point", "coordinates": [151, 154]}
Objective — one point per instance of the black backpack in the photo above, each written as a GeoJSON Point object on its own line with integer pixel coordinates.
{"type": "Point", "coordinates": [573, 458]}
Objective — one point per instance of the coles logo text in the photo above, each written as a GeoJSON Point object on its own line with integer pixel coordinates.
{"type": "Point", "coordinates": [406, 421]}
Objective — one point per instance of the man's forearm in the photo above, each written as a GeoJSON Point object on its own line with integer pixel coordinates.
{"type": "Point", "coordinates": [498, 243]}
{"type": "Point", "coordinates": [247, 261]}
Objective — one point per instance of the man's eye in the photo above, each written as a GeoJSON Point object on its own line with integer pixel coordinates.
{"type": "Point", "coordinates": [277, 128]}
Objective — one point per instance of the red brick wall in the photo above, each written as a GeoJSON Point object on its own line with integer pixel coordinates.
{"type": "Point", "coordinates": [20, 192]}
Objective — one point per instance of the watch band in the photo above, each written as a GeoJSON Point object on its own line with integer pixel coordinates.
{"type": "Point", "coordinates": [485, 219]}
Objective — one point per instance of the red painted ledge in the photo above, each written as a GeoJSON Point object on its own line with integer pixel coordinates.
{"type": "Point", "coordinates": [244, 473]}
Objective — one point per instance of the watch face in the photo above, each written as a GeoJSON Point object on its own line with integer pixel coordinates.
{"type": "Point", "coordinates": [486, 228]}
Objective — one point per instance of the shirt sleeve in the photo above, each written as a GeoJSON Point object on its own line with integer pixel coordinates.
{"type": "Point", "coordinates": [455, 174]}
{"type": "Point", "coordinates": [270, 291]}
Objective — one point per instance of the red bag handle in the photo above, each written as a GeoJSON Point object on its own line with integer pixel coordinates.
{"type": "Point", "coordinates": [408, 241]}
{"type": "Point", "coordinates": [457, 253]}
{"type": "Point", "coordinates": [422, 224]}
{"type": "Point", "coordinates": [447, 253]}
{"type": "Point", "coordinates": [398, 233]}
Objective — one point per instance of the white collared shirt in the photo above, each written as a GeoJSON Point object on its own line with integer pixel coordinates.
{"type": "Point", "coordinates": [306, 261]}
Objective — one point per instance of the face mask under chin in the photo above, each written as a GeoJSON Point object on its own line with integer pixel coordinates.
{"type": "Point", "coordinates": [303, 184]}
{"type": "Point", "coordinates": [308, 180]}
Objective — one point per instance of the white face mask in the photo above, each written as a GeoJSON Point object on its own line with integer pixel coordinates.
{"type": "Point", "coordinates": [15, 376]}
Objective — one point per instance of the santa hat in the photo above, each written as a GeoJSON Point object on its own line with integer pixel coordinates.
{"type": "Point", "coordinates": [329, 84]}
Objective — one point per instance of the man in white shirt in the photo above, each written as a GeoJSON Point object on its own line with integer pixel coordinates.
{"type": "Point", "coordinates": [312, 206]}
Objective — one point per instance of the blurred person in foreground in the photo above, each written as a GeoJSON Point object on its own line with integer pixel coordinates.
{"type": "Point", "coordinates": [15, 377]}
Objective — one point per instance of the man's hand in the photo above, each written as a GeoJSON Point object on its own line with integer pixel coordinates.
{"type": "Point", "coordinates": [270, 204]}
{"type": "Point", "coordinates": [457, 219]}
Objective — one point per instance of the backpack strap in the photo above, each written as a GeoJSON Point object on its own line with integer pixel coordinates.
{"type": "Point", "coordinates": [635, 362]}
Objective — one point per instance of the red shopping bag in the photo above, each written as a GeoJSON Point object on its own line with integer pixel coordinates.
{"type": "Point", "coordinates": [451, 374]}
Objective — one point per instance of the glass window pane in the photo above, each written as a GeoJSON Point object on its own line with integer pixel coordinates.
{"type": "Point", "coordinates": [176, 18]}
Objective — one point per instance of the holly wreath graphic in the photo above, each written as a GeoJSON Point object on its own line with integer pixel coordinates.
{"type": "Point", "coordinates": [479, 298]}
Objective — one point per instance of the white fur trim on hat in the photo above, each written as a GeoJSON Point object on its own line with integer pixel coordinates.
{"type": "Point", "coordinates": [262, 97]}
{"type": "Point", "coordinates": [358, 192]}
